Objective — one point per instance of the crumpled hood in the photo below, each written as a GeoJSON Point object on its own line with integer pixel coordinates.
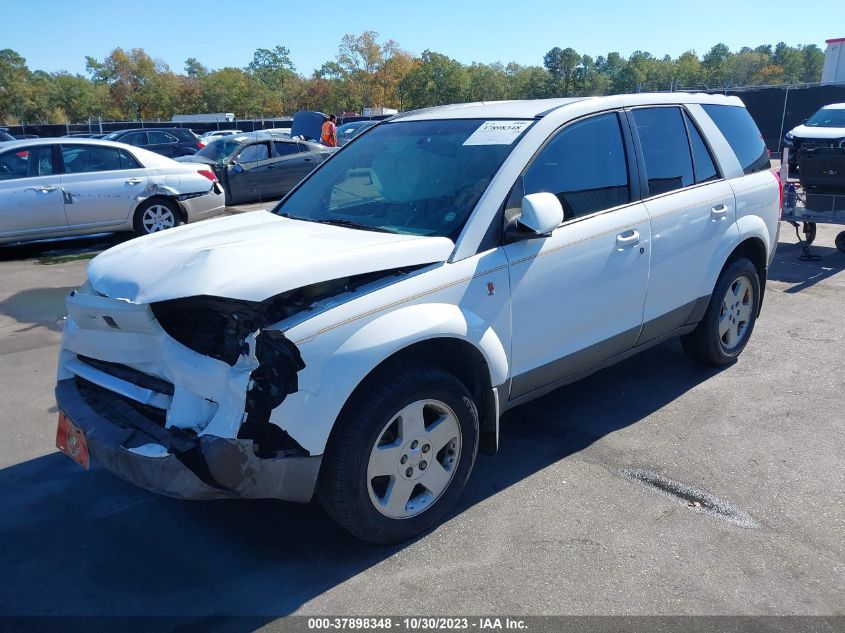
{"type": "Point", "coordinates": [824, 133]}
{"type": "Point", "coordinates": [251, 256]}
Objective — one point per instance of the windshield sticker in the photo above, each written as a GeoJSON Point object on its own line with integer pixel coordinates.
{"type": "Point", "coordinates": [497, 132]}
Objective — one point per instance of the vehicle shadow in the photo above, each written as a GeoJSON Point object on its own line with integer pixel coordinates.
{"type": "Point", "coordinates": [788, 268]}
{"type": "Point", "coordinates": [62, 250]}
{"type": "Point", "coordinates": [86, 543]}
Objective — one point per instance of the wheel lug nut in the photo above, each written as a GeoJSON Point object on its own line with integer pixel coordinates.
{"type": "Point", "coordinates": [423, 465]}
{"type": "Point", "coordinates": [426, 448]}
{"type": "Point", "coordinates": [414, 444]}
{"type": "Point", "coordinates": [404, 459]}
{"type": "Point", "coordinates": [409, 472]}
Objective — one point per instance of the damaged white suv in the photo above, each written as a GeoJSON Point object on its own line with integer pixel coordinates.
{"type": "Point", "coordinates": [362, 340]}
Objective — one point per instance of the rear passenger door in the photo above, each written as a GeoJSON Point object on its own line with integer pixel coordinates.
{"type": "Point", "coordinates": [691, 208]}
{"type": "Point", "coordinates": [577, 295]}
{"type": "Point", "coordinates": [101, 185]}
{"type": "Point", "coordinates": [162, 143]}
{"type": "Point", "coordinates": [294, 163]}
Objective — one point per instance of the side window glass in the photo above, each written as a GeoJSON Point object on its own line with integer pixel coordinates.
{"type": "Point", "coordinates": [127, 161]}
{"type": "Point", "coordinates": [26, 162]}
{"type": "Point", "coordinates": [702, 161]}
{"type": "Point", "coordinates": [286, 149]}
{"type": "Point", "coordinates": [161, 138]}
{"type": "Point", "coordinates": [135, 138]}
{"type": "Point", "coordinates": [666, 151]}
{"type": "Point", "coordinates": [742, 135]}
{"type": "Point", "coordinates": [79, 159]}
{"type": "Point", "coordinates": [584, 165]}
{"type": "Point", "coordinates": [253, 153]}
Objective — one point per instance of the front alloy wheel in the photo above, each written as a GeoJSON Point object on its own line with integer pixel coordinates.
{"type": "Point", "coordinates": [400, 453]}
{"type": "Point", "coordinates": [414, 459]}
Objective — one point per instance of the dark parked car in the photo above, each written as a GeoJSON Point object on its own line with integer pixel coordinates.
{"type": "Point", "coordinates": [5, 136]}
{"type": "Point", "coordinates": [171, 141]}
{"type": "Point", "coordinates": [257, 166]}
{"type": "Point", "coordinates": [348, 131]}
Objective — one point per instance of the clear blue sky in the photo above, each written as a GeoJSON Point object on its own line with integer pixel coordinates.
{"type": "Point", "coordinates": [57, 34]}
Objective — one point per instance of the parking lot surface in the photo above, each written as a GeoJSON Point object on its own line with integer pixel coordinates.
{"type": "Point", "coordinates": [559, 522]}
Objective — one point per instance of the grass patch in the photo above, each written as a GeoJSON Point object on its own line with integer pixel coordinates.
{"type": "Point", "coordinates": [64, 259]}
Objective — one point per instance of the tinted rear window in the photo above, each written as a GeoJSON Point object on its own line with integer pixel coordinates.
{"type": "Point", "coordinates": [742, 134]}
{"type": "Point", "coordinates": [666, 152]}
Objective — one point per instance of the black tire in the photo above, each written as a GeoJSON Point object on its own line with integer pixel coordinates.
{"type": "Point", "coordinates": [809, 232]}
{"type": "Point", "coordinates": [840, 241]}
{"type": "Point", "coordinates": [344, 489]}
{"type": "Point", "coordinates": [705, 344]}
{"type": "Point", "coordinates": [138, 220]}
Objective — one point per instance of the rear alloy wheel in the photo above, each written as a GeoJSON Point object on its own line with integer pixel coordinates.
{"type": "Point", "coordinates": [723, 332]}
{"type": "Point", "coordinates": [156, 215]}
{"type": "Point", "coordinates": [400, 454]}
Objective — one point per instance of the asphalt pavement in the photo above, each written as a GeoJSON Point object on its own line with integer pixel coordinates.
{"type": "Point", "coordinates": [573, 516]}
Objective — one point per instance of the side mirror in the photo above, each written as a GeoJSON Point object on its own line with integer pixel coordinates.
{"type": "Point", "coordinates": [541, 214]}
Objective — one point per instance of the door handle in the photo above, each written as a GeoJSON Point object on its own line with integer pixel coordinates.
{"type": "Point", "coordinates": [629, 238]}
{"type": "Point", "coordinates": [134, 181]}
{"type": "Point", "coordinates": [44, 189]}
{"type": "Point", "coordinates": [719, 212]}
{"type": "Point", "coordinates": [307, 159]}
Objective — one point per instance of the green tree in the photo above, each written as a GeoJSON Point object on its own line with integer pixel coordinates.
{"type": "Point", "coordinates": [813, 64]}
{"type": "Point", "coordinates": [713, 64]}
{"type": "Point", "coordinates": [194, 69]}
{"type": "Point", "coordinates": [15, 88]}
{"type": "Point", "coordinates": [436, 80]}
{"type": "Point", "coordinates": [562, 64]}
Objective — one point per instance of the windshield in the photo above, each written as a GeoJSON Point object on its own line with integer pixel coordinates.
{"type": "Point", "coordinates": [111, 136]}
{"type": "Point", "coordinates": [827, 117]}
{"type": "Point", "coordinates": [220, 150]}
{"type": "Point", "coordinates": [415, 177]}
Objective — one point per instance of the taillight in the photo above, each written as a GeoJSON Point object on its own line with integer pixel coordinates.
{"type": "Point", "coordinates": [200, 144]}
{"type": "Point", "coordinates": [780, 191]}
{"type": "Point", "coordinates": [208, 174]}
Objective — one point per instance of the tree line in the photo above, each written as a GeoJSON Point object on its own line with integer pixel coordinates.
{"type": "Point", "coordinates": [368, 72]}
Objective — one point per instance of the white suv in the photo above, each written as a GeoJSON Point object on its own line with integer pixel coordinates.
{"type": "Point", "coordinates": [362, 340]}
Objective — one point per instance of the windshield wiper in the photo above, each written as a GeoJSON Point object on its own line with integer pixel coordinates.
{"type": "Point", "coordinates": [339, 222]}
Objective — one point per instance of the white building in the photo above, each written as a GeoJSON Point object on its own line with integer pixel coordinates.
{"type": "Point", "coordinates": [834, 61]}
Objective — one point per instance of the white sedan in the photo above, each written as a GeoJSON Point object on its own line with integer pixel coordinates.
{"type": "Point", "coordinates": [215, 134]}
{"type": "Point", "coordinates": [61, 187]}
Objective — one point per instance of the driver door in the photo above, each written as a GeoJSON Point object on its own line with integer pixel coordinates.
{"type": "Point", "coordinates": [249, 174]}
{"type": "Point", "coordinates": [30, 189]}
{"type": "Point", "coordinates": [577, 295]}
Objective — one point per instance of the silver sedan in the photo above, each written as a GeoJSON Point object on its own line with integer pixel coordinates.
{"type": "Point", "coordinates": [61, 187]}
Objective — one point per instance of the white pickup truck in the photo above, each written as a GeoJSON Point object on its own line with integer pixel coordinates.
{"type": "Point", "coordinates": [362, 339]}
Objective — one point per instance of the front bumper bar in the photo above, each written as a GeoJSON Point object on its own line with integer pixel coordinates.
{"type": "Point", "coordinates": [213, 468]}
